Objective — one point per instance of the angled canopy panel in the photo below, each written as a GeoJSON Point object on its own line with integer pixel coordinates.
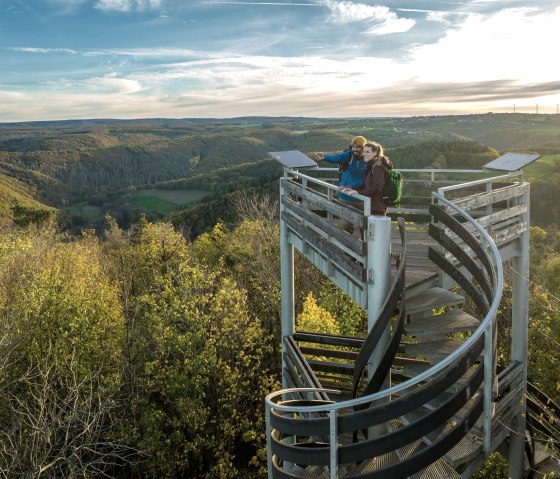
{"type": "Point", "coordinates": [293, 159]}
{"type": "Point", "coordinates": [511, 162]}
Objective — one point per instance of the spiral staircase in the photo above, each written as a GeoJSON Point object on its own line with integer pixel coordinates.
{"type": "Point", "coordinates": [422, 395]}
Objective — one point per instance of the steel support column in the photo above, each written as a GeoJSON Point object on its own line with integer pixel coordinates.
{"type": "Point", "coordinates": [378, 283]}
{"type": "Point", "coordinates": [519, 340]}
{"type": "Point", "coordinates": [287, 313]}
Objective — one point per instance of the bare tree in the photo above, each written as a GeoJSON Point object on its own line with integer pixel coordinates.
{"type": "Point", "coordinates": [56, 421]}
{"type": "Point", "coordinates": [252, 206]}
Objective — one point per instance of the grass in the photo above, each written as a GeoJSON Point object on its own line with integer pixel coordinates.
{"type": "Point", "coordinates": [166, 200]}
{"type": "Point", "coordinates": [89, 212]}
{"type": "Point", "coordinates": [544, 167]}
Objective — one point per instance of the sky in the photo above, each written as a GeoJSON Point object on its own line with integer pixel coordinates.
{"type": "Point", "coordinates": [77, 59]}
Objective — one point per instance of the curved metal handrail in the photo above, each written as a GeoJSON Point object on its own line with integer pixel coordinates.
{"type": "Point", "coordinates": [440, 366]}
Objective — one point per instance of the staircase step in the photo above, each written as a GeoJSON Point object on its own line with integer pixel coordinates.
{"type": "Point", "coordinates": [468, 448]}
{"type": "Point", "coordinates": [465, 451]}
{"type": "Point", "coordinates": [371, 465]}
{"type": "Point", "coordinates": [433, 351]}
{"type": "Point", "coordinates": [454, 321]}
{"type": "Point", "coordinates": [437, 470]}
{"type": "Point", "coordinates": [317, 472]}
{"type": "Point", "coordinates": [432, 298]}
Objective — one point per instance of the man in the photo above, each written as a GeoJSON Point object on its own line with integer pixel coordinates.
{"type": "Point", "coordinates": [353, 168]}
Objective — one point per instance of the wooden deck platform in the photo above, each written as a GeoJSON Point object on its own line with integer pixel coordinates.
{"type": "Point", "coordinates": [420, 271]}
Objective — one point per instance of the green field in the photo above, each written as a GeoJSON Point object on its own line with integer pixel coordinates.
{"type": "Point", "coordinates": [544, 167]}
{"type": "Point", "coordinates": [166, 200]}
{"type": "Point", "coordinates": [89, 212]}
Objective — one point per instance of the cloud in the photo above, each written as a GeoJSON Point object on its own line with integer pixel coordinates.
{"type": "Point", "coordinates": [437, 16]}
{"type": "Point", "coordinates": [510, 43]}
{"type": "Point", "coordinates": [112, 84]}
{"type": "Point", "coordinates": [391, 25]}
{"type": "Point", "coordinates": [127, 5]}
{"type": "Point", "coordinates": [346, 11]}
{"type": "Point", "coordinates": [386, 21]}
{"type": "Point", "coordinates": [480, 63]}
{"type": "Point", "coordinates": [41, 50]}
{"type": "Point", "coordinates": [11, 95]}
{"type": "Point", "coordinates": [281, 4]}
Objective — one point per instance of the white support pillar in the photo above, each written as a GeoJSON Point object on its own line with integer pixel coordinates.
{"type": "Point", "coordinates": [287, 302]}
{"type": "Point", "coordinates": [519, 340]}
{"type": "Point", "coordinates": [379, 279]}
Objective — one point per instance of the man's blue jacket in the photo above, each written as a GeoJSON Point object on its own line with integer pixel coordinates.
{"type": "Point", "coordinates": [353, 176]}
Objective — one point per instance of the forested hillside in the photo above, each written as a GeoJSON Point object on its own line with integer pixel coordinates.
{"type": "Point", "coordinates": [87, 169]}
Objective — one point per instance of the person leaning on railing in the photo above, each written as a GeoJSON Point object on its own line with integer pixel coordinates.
{"type": "Point", "coordinates": [378, 166]}
{"type": "Point", "coordinates": [352, 172]}
{"type": "Point", "coordinates": [351, 166]}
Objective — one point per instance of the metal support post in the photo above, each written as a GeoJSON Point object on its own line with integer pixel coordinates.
{"type": "Point", "coordinates": [379, 283]}
{"type": "Point", "coordinates": [488, 405]}
{"type": "Point", "coordinates": [267, 413]}
{"type": "Point", "coordinates": [287, 313]}
{"type": "Point", "coordinates": [519, 340]}
{"type": "Point", "coordinates": [333, 443]}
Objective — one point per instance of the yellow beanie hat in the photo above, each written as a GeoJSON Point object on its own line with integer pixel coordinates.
{"type": "Point", "coordinates": [359, 141]}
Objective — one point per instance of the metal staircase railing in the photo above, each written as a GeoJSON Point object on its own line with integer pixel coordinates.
{"type": "Point", "coordinates": [455, 409]}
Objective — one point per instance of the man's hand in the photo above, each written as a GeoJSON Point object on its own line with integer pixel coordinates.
{"type": "Point", "coordinates": [347, 190]}
{"type": "Point", "coordinates": [319, 156]}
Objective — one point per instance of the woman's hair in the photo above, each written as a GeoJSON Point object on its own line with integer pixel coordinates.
{"type": "Point", "coordinates": [377, 148]}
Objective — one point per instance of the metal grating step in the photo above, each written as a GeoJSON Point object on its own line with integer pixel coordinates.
{"type": "Point", "coordinates": [437, 470]}
{"type": "Point", "coordinates": [374, 464]}
{"type": "Point", "coordinates": [316, 472]}
{"type": "Point", "coordinates": [433, 351]}
{"type": "Point", "coordinates": [432, 298]}
{"type": "Point", "coordinates": [454, 321]}
{"type": "Point", "coordinates": [467, 449]}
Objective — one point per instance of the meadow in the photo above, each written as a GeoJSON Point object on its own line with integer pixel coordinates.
{"type": "Point", "coordinates": [166, 200]}
{"type": "Point", "coordinates": [544, 167]}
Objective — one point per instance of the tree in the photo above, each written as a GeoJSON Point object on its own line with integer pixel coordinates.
{"type": "Point", "coordinates": [197, 360]}
{"type": "Point", "coordinates": [60, 357]}
{"type": "Point", "coordinates": [25, 215]}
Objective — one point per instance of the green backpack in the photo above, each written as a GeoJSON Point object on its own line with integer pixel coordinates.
{"type": "Point", "coordinates": [393, 188]}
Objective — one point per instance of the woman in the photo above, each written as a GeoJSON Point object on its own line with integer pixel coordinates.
{"type": "Point", "coordinates": [378, 166]}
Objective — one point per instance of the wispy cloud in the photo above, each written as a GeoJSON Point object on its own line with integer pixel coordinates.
{"type": "Point", "coordinates": [385, 20]}
{"type": "Point", "coordinates": [111, 83]}
{"type": "Point", "coordinates": [127, 5]}
{"type": "Point", "coordinates": [282, 4]}
{"type": "Point", "coordinates": [391, 25]}
{"type": "Point", "coordinates": [255, 63]}
{"type": "Point", "coordinates": [346, 11]}
{"type": "Point", "coordinates": [41, 50]}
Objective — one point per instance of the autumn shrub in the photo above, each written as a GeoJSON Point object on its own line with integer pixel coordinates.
{"type": "Point", "coordinates": [60, 354]}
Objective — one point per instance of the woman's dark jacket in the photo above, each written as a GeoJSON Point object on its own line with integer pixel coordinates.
{"type": "Point", "coordinates": [376, 177]}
